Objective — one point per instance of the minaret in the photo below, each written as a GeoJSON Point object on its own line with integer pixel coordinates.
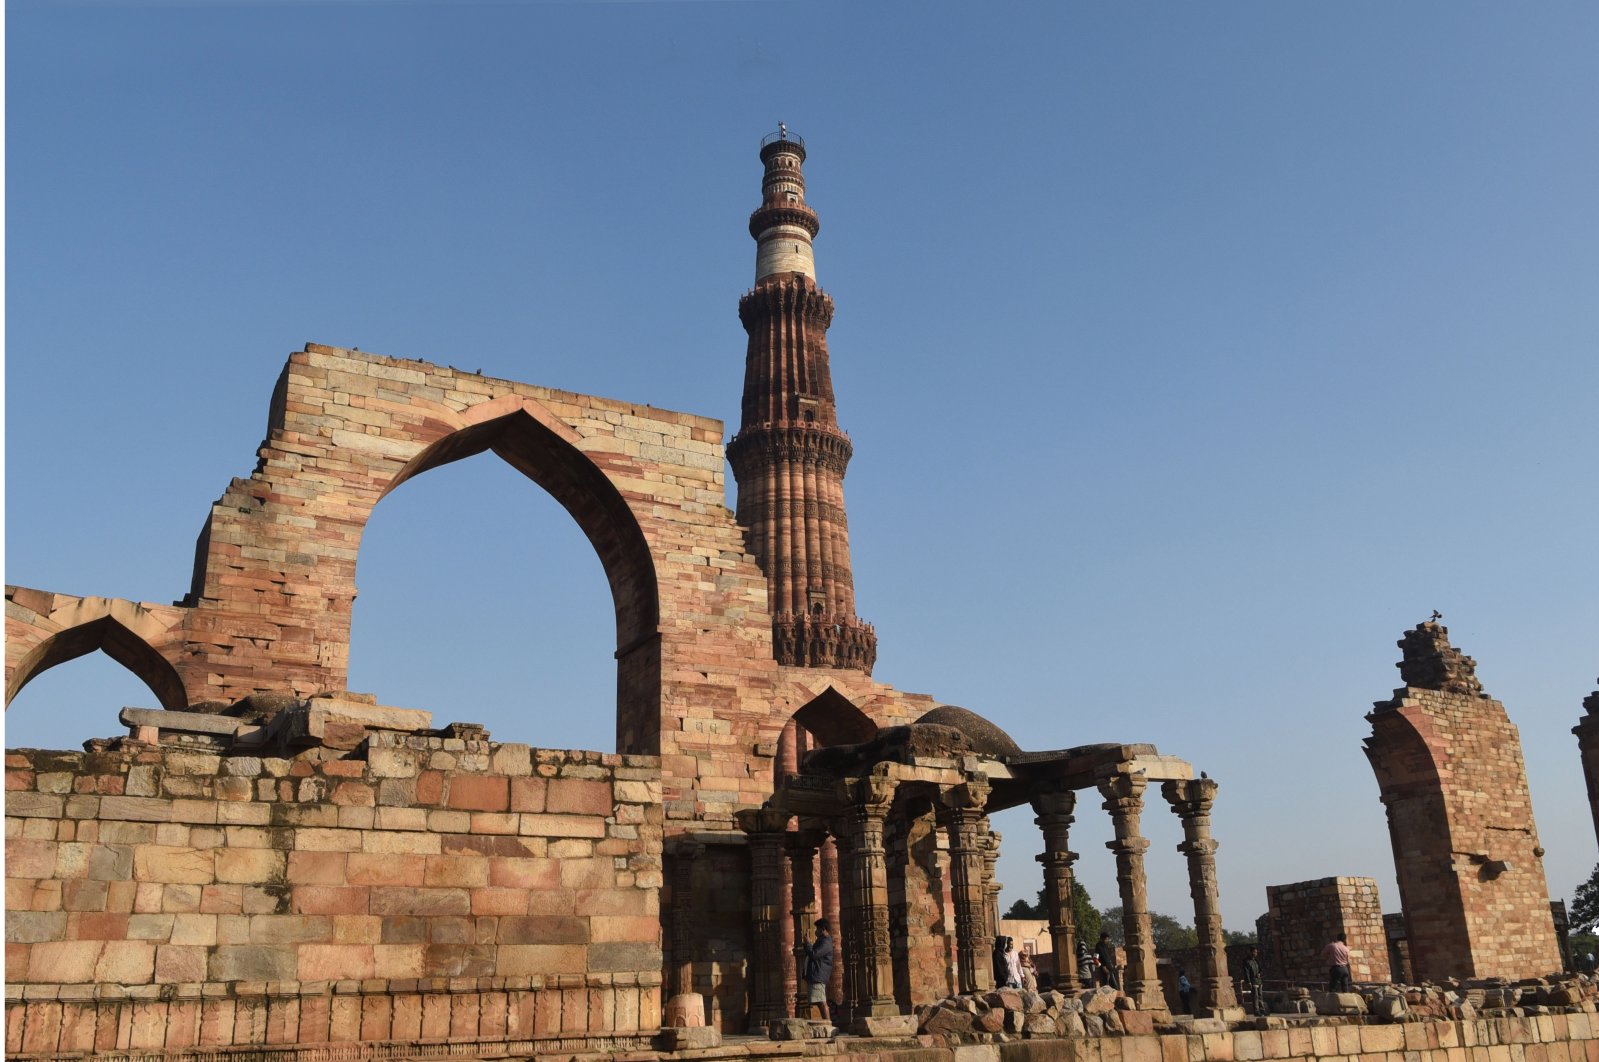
{"type": "Point", "coordinates": [789, 454]}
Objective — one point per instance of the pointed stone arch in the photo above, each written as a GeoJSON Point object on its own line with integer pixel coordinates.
{"type": "Point", "coordinates": [834, 719]}
{"type": "Point", "coordinates": [531, 439]}
{"type": "Point", "coordinates": [109, 635]}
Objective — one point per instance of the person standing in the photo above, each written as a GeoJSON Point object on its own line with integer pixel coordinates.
{"type": "Point", "coordinates": [1185, 990]}
{"type": "Point", "coordinates": [1105, 956]}
{"type": "Point", "coordinates": [1254, 981]}
{"type": "Point", "coordinates": [1336, 955]}
{"type": "Point", "coordinates": [1029, 972]}
{"type": "Point", "coordinates": [819, 968]}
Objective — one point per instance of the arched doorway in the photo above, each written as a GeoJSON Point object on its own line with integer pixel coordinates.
{"type": "Point", "coordinates": [544, 449]}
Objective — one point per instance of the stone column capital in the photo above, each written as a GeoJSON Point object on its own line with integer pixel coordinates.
{"type": "Point", "coordinates": [765, 819]}
{"type": "Point", "coordinates": [1053, 803]}
{"type": "Point", "coordinates": [1190, 798]}
{"type": "Point", "coordinates": [970, 795]}
{"type": "Point", "coordinates": [1061, 858]}
{"type": "Point", "coordinates": [1124, 791]}
{"type": "Point", "coordinates": [869, 794]}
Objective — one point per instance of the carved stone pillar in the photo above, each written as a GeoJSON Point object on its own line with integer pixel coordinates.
{"type": "Point", "coordinates": [865, 878]}
{"type": "Point", "coordinates": [991, 885]}
{"type": "Point", "coordinates": [963, 817]}
{"type": "Point", "coordinates": [765, 827]}
{"type": "Point", "coordinates": [833, 911]}
{"type": "Point", "coordinates": [1124, 799]}
{"type": "Point", "coordinates": [802, 848]}
{"type": "Point", "coordinates": [1053, 808]}
{"type": "Point", "coordinates": [1192, 800]}
{"type": "Point", "coordinates": [683, 859]}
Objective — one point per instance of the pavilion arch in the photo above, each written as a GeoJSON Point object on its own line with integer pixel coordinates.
{"type": "Point", "coordinates": [542, 447]}
{"type": "Point", "coordinates": [118, 642]}
{"type": "Point", "coordinates": [834, 719]}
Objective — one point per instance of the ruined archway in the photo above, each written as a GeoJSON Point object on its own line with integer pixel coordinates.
{"type": "Point", "coordinates": [116, 641]}
{"type": "Point", "coordinates": [544, 449]}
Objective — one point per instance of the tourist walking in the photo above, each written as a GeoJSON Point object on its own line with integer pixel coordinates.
{"type": "Point", "coordinates": [1185, 990]}
{"type": "Point", "coordinates": [1105, 956]}
{"type": "Point", "coordinates": [1085, 964]}
{"type": "Point", "coordinates": [819, 969]}
{"type": "Point", "coordinates": [1336, 955]}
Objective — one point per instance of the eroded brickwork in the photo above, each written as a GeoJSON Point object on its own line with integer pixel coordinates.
{"type": "Point", "coordinates": [417, 885]}
{"type": "Point", "coordinates": [1466, 849]}
{"type": "Point", "coordinates": [1303, 917]}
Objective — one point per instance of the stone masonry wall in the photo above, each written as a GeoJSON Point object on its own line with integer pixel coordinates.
{"type": "Point", "coordinates": [1301, 918]}
{"type": "Point", "coordinates": [1466, 847]}
{"type": "Point", "coordinates": [419, 887]}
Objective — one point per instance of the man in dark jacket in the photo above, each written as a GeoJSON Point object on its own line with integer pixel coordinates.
{"type": "Point", "coordinates": [1105, 954]}
{"type": "Point", "coordinates": [818, 969]}
{"type": "Point", "coordinates": [1254, 981]}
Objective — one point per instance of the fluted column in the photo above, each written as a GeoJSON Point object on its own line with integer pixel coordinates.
{"type": "Point", "coordinates": [865, 867]}
{"type": "Point", "coordinates": [802, 847]}
{"type": "Point", "coordinates": [765, 828]}
{"type": "Point", "coordinates": [683, 859]}
{"type": "Point", "coordinates": [1053, 809]}
{"type": "Point", "coordinates": [1124, 799]}
{"type": "Point", "coordinates": [1192, 801]}
{"type": "Point", "coordinates": [963, 817]}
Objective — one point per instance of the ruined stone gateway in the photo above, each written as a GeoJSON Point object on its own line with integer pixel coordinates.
{"type": "Point", "coordinates": [270, 861]}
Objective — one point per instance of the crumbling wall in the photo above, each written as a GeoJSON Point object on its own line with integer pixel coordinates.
{"type": "Point", "coordinates": [1466, 849]}
{"type": "Point", "coordinates": [1301, 918]}
{"type": "Point", "coordinates": [418, 886]}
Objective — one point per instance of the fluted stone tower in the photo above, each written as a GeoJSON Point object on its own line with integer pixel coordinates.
{"type": "Point", "coordinates": [789, 454]}
{"type": "Point", "coordinates": [1470, 868]}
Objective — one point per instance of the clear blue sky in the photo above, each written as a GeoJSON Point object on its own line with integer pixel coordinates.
{"type": "Point", "coordinates": [1191, 352]}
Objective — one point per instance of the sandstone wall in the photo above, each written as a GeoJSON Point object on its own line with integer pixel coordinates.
{"type": "Point", "coordinates": [1301, 918]}
{"type": "Point", "coordinates": [1466, 848]}
{"type": "Point", "coordinates": [420, 886]}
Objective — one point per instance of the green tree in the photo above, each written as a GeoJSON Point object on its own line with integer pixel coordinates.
{"type": "Point", "coordinates": [1083, 914]}
{"type": "Point", "coordinates": [1584, 916]}
{"type": "Point", "coordinates": [1170, 934]}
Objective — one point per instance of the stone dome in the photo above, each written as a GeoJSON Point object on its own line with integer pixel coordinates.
{"type": "Point", "coordinates": [986, 738]}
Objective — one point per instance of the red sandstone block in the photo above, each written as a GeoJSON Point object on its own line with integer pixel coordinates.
{"type": "Point", "coordinates": [149, 1029]}
{"type": "Point", "coordinates": [77, 1027]}
{"type": "Point", "coordinates": [480, 793]}
{"type": "Point", "coordinates": [106, 1026]}
{"type": "Point", "coordinates": [580, 796]}
{"type": "Point", "coordinates": [435, 1017]}
{"type": "Point", "coordinates": [355, 794]}
{"type": "Point", "coordinates": [100, 926]}
{"type": "Point", "coordinates": [17, 962]}
{"type": "Point", "coordinates": [430, 787]}
{"type": "Point", "coordinates": [344, 1024]}
{"type": "Point", "coordinates": [84, 895]}
{"type": "Point", "coordinates": [382, 868]}
{"type": "Point", "coordinates": [463, 1016]}
{"type": "Point", "coordinates": [456, 871]}
{"type": "Point", "coordinates": [492, 1017]}
{"type": "Point", "coordinates": [332, 962]}
{"type": "Point", "coordinates": [377, 1013]}
{"type": "Point", "coordinates": [492, 901]}
{"type": "Point", "coordinates": [19, 780]}
{"type": "Point", "coordinates": [343, 768]}
{"type": "Point", "coordinates": [547, 1015]}
{"type": "Point", "coordinates": [41, 1029]}
{"type": "Point", "coordinates": [525, 873]}
{"type": "Point", "coordinates": [126, 962]}
{"type": "Point", "coordinates": [30, 859]}
{"type": "Point", "coordinates": [406, 1023]}
{"type": "Point", "coordinates": [330, 900]}
{"type": "Point", "coordinates": [64, 961]}
{"type": "Point", "coordinates": [283, 1019]}
{"type": "Point", "coordinates": [216, 1022]}
{"type": "Point", "coordinates": [314, 1020]}
{"type": "Point", "coordinates": [316, 868]}
{"type": "Point", "coordinates": [527, 794]}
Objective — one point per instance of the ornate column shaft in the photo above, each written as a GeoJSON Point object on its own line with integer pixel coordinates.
{"type": "Point", "coordinates": [765, 827]}
{"type": "Point", "coordinates": [1053, 812]}
{"type": "Point", "coordinates": [991, 885]}
{"type": "Point", "coordinates": [802, 848]}
{"type": "Point", "coordinates": [1124, 799]}
{"type": "Point", "coordinates": [683, 859]}
{"type": "Point", "coordinates": [962, 814]}
{"type": "Point", "coordinates": [865, 867]}
{"type": "Point", "coordinates": [1192, 800]}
